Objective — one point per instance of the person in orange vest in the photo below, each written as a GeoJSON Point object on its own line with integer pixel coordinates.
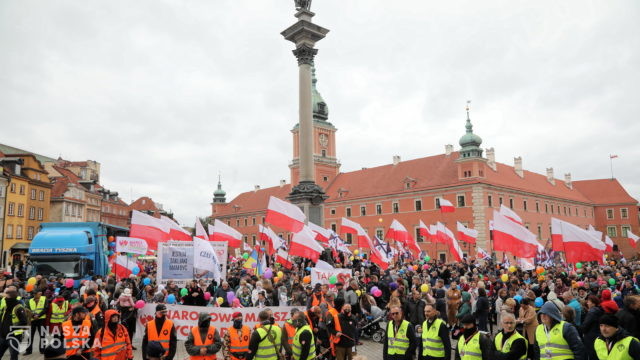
{"type": "Point", "coordinates": [332, 321]}
{"type": "Point", "coordinates": [317, 298]}
{"type": "Point", "coordinates": [112, 342]}
{"type": "Point", "coordinates": [204, 340]}
{"type": "Point", "coordinates": [78, 332]}
{"type": "Point", "coordinates": [313, 316]}
{"type": "Point", "coordinates": [289, 328]}
{"type": "Point", "coordinates": [236, 339]}
{"type": "Point", "coordinates": [344, 333]}
{"type": "Point", "coordinates": [91, 304]}
{"type": "Point", "coordinates": [162, 330]}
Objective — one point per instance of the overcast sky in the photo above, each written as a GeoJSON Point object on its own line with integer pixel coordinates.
{"type": "Point", "coordinates": [166, 94]}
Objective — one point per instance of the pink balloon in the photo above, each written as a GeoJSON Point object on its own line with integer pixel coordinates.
{"type": "Point", "coordinates": [377, 293]}
{"type": "Point", "coordinates": [139, 304]}
{"type": "Point", "coordinates": [207, 296]}
{"type": "Point", "coordinates": [68, 283]}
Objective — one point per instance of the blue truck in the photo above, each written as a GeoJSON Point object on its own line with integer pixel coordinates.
{"type": "Point", "coordinates": [72, 250]}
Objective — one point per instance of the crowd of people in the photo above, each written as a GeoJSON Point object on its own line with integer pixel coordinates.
{"type": "Point", "coordinates": [431, 310]}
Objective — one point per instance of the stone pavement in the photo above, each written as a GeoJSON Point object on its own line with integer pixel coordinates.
{"type": "Point", "coordinates": [371, 350]}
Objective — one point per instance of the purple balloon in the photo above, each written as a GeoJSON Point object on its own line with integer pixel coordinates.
{"type": "Point", "coordinates": [230, 297]}
{"type": "Point", "coordinates": [393, 285]}
{"type": "Point", "coordinates": [373, 290]}
{"type": "Point", "coordinates": [268, 273]}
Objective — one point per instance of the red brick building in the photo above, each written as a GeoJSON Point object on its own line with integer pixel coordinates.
{"type": "Point", "coordinates": [146, 205]}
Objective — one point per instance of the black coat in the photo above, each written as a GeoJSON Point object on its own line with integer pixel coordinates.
{"type": "Point", "coordinates": [414, 311]}
{"type": "Point", "coordinates": [630, 321]}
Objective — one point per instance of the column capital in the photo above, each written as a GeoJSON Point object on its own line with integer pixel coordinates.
{"type": "Point", "coordinates": [305, 54]}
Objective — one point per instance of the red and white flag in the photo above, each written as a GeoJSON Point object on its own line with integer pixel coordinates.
{"type": "Point", "coordinates": [200, 231]}
{"type": "Point", "coordinates": [481, 254]}
{"type": "Point", "coordinates": [398, 232]}
{"type": "Point", "coordinates": [123, 266]}
{"type": "Point", "coordinates": [633, 239]}
{"type": "Point", "coordinates": [284, 215]}
{"type": "Point", "coordinates": [557, 243]}
{"type": "Point", "coordinates": [608, 243]}
{"type": "Point", "coordinates": [443, 234]}
{"type": "Point", "coordinates": [304, 244]}
{"type": "Point", "coordinates": [595, 233]}
{"type": "Point", "coordinates": [446, 206]}
{"type": "Point", "coordinates": [176, 232]}
{"type": "Point", "coordinates": [510, 214]}
{"type": "Point", "coordinates": [508, 236]}
{"type": "Point", "coordinates": [351, 227]}
{"type": "Point", "coordinates": [379, 258]}
{"type": "Point", "coordinates": [426, 231]}
{"type": "Point", "coordinates": [579, 244]}
{"type": "Point", "coordinates": [282, 258]}
{"type": "Point", "coordinates": [151, 229]}
{"type": "Point", "coordinates": [224, 232]}
{"type": "Point", "coordinates": [323, 235]}
{"type": "Point", "coordinates": [272, 239]}
{"type": "Point", "coordinates": [455, 250]}
{"type": "Point", "coordinates": [467, 235]}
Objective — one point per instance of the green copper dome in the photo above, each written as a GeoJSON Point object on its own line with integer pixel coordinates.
{"type": "Point", "coordinates": [219, 196]}
{"type": "Point", "coordinates": [470, 142]}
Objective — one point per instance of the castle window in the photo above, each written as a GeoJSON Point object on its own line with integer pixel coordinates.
{"type": "Point", "coordinates": [363, 210]}
{"type": "Point", "coordinates": [490, 200]}
{"type": "Point", "coordinates": [611, 231]}
{"type": "Point", "coordinates": [349, 238]}
{"type": "Point", "coordinates": [460, 200]}
{"type": "Point", "coordinates": [332, 211]}
{"type": "Point", "coordinates": [624, 213]}
{"type": "Point", "coordinates": [396, 207]}
{"type": "Point", "coordinates": [625, 230]}
{"type": "Point", "coordinates": [511, 203]}
{"type": "Point", "coordinates": [418, 204]}
{"type": "Point", "coordinates": [325, 178]}
{"type": "Point", "coordinates": [537, 206]}
{"type": "Point", "coordinates": [334, 227]}
{"type": "Point", "coordinates": [348, 211]}
{"type": "Point", "coordinates": [524, 204]}
{"type": "Point", "coordinates": [324, 153]}
{"type": "Point", "coordinates": [378, 209]}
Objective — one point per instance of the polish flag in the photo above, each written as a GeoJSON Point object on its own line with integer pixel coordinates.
{"type": "Point", "coordinates": [323, 235]}
{"type": "Point", "coordinates": [284, 215]}
{"type": "Point", "coordinates": [379, 258]}
{"type": "Point", "coordinates": [510, 214]}
{"type": "Point", "coordinates": [595, 233]}
{"type": "Point", "coordinates": [151, 229]}
{"type": "Point", "coordinates": [272, 239]}
{"type": "Point", "coordinates": [446, 206]}
{"type": "Point", "coordinates": [443, 234]}
{"type": "Point", "coordinates": [514, 238]}
{"type": "Point", "coordinates": [467, 235]}
{"type": "Point", "coordinates": [608, 243]}
{"type": "Point", "coordinates": [224, 232]}
{"type": "Point", "coordinates": [455, 250]}
{"type": "Point", "coordinates": [282, 258]}
{"type": "Point", "coordinates": [557, 243]}
{"type": "Point", "coordinates": [123, 266]}
{"type": "Point", "coordinates": [398, 233]}
{"type": "Point", "coordinates": [352, 227]}
{"type": "Point", "coordinates": [633, 239]}
{"type": "Point", "coordinates": [579, 244]}
{"type": "Point", "coordinates": [425, 231]}
{"type": "Point", "coordinates": [176, 232]}
{"type": "Point", "coordinates": [304, 244]}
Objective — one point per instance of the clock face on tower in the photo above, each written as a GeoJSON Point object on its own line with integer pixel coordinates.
{"type": "Point", "coordinates": [324, 140]}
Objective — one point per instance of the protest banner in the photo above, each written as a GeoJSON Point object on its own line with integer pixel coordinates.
{"type": "Point", "coordinates": [321, 276]}
{"type": "Point", "coordinates": [131, 245]}
{"type": "Point", "coordinates": [185, 317]}
{"type": "Point", "coordinates": [175, 262]}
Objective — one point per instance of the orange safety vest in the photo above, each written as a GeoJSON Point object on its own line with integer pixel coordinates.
{"type": "Point", "coordinates": [197, 341]}
{"type": "Point", "coordinates": [291, 331]}
{"type": "Point", "coordinates": [238, 340]}
{"type": "Point", "coordinates": [75, 342]}
{"type": "Point", "coordinates": [164, 336]}
{"type": "Point", "coordinates": [335, 339]}
{"type": "Point", "coordinates": [316, 302]}
{"type": "Point", "coordinates": [114, 347]}
{"type": "Point", "coordinates": [96, 310]}
{"type": "Point", "coordinates": [97, 296]}
{"type": "Point", "coordinates": [306, 314]}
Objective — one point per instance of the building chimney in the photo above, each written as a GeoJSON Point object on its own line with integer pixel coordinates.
{"type": "Point", "coordinates": [283, 182]}
{"type": "Point", "coordinates": [550, 177]}
{"type": "Point", "coordinates": [448, 149]}
{"type": "Point", "coordinates": [491, 158]}
{"type": "Point", "coordinates": [256, 188]}
{"type": "Point", "coordinates": [396, 159]}
{"type": "Point", "coordinates": [517, 166]}
{"type": "Point", "coordinates": [567, 180]}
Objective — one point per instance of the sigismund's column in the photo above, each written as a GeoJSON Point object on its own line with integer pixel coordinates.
{"type": "Point", "coordinates": [304, 34]}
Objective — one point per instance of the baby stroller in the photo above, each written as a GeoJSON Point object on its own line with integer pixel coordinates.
{"type": "Point", "coordinates": [373, 327]}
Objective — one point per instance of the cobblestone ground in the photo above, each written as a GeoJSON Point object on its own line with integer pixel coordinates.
{"type": "Point", "coordinates": [371, 350]}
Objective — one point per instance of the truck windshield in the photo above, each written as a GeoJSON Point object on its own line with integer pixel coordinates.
{"type": "Point", "coordinates": [69, 266]}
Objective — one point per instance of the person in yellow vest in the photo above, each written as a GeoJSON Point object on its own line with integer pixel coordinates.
{"type": "Point", "coordinates": [401, 341]}
{"type": "Point", "coordinates": [12, 313]}
{"type": "Point", "coordinates": [78, 333]}
{"type": "Point", "coordinates": [473, 344]}
{"type": "Point", "coordinates": [38, 307]}
{"type": "Point", "coordinates": [289, 328]}
{"type": "Point", "coordinates": [162, 330]}
{"type": "Point", "coordinates": [304, 345]}
{"type": "Point", "coordinates": [112, 342]}
{"type": "Point", "coordinates": [204, 340]}
{"type": "Point", "coordinates": [236, 339]}
{"type": "Point", "coordinates": [509, 344]}
{"type": "Point", "coordinates": [58, 310]}
{"type": "Point", "coordinates": [556, 339]}
{"type": "Point", "coordinates": [266, 341]}
{"type": "Point", "coordinates": [614, 343]}
{"type": "Point", "coordinates": [434, 342]}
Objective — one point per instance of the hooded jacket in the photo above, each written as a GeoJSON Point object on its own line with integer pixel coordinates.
{"type": "Point", "coordinates": [465, 308]}
{"type": "Point", "coordinates": [106, 334]}
{"type": "Point", "coordinates": [441, 303]}
{"type": "Point", "coordinates": [569, 332]}
{"type": "Point", "coordinates": [607, 304]}
{"type": "Point", "coordinates": [203, 325]}
{"type": "Point", "coordinates": [553, 297]}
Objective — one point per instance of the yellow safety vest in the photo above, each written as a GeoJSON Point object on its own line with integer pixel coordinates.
{"type": "Point", "coordinates": [397, 343]}
{"type": "Point", "coordinates": [58, 312]}
{"type": "Point", "coordinates": [507, 344]}
{"type": "Point", "coordinates": [470, 350]}
{"type": "Point", "coordinates": [37, 308]}
{"type": "Point", "coordinates": [267, 347]}
{"type": "Point", "coordinates": [14, 317]}
{"type": "Point", "coordinates": [431, 342]}
{"type": "Point", "coordinates": [619, 350]}
{"type": "Point", "coordinates": [296, 347]}
{"type": "Point", "coordinates": [553, 345]}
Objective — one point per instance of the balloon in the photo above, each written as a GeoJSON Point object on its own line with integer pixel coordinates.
{"type": "Point", "coordinates": [358, 292]}
{"type": "Point", "coordinates": [427, 258]}
{"type": "Point", "coordinates": [207, 296]}
{"type": "Point", "coordinates": [351, 258]}
{"type": "Point", "coordinates": [356, 252]}
{"type": "Point", "coordinates": [517, 298]}
{"type": "Point", "coordinates": [373, 290]}
{"type": "Point", "coordinates": [415, 267]}
{"type": "Point", "coordinates": [618, 274]}
{"type": "Point", "coordinates": [393, 285]}
{"type": "Point", "coordinates": [306, 279]}
{"type": "Point", "coordinates": [308, 268]}
{"type": "Point", "coordinates": [112, 244]}
{"type": "Point", "coordinates": [580, 283]}
{"type": "Point", "coordinates": [268, 274]}
{"type": "Point", "coordinates": [424, 288]}
{"type": "Point", "coordinates": [539, 270]}
{"type": "Point", "coordinates": [254, 265]}
{"type": "Point", "coordinates": [333, 279]}
{"type": "Point", "coordinates": [68, 283]}
{"type": "Point", "coordinates": [111, 238]}
{"type": "Point", "coordinates": [612, 281]}
{"type": "Point", "coordinates": [184, 292]}
{"type": "Point", "coordinates": [378, 293]}
{"type": "Point", "coordinates": [135, 270]}
{"type": "Point", "coordinates": [245, 256]}
{"type": "Point", "coordinates": [171, 299]}
{"type": "Point", "coordinates": [220, 301]}
{"type": "Point", "coordinates": [401, 272]}
{"type": "Point", "coordinates": [578, 265]}
{"type": "Point", "coordinates": [280, 274]}
{"type": "Point", "coordinates": [512, 269]}
{"type": "Point", "coordinates": [612, 262]}
{"type": "Point", "coordinates": [146, 281]}
{"type": "Point", "coordinates": [230, 297]}
{"type": "Point", "coordinates": [29, 287]}
{"type": "Point", "coordinates": [425, 267]}
{"type": "Point", "coordinates": [504, 277]}
{"type": "Point", "coordinates": [539, 302]}
{"type": "Point", "coordinates": [139, 304]}
{"type": "Point", "coordinates": [32, 281]}
{"type": "Point", "coordinates": [541, 278]}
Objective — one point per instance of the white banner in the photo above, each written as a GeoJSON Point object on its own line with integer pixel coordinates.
{"type": "Point", "coordinates": [131, 245]}
{"type": "Point", "coordinates": [205, 258]}
{"type": "Point", "coordinates": [321, 276]}
{"type": "Point", "coordinates": [176, 262]}
{"type": "Point", "coordinates": [185, 317]}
